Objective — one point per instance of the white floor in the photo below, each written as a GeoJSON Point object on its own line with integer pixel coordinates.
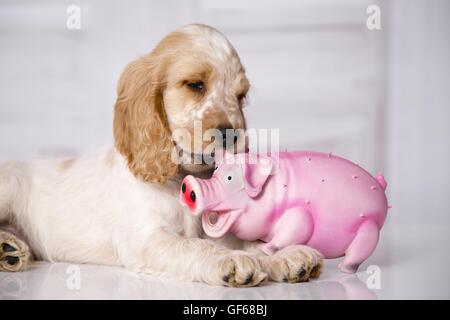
{"type": "Point", "coordinates": [413, 264]}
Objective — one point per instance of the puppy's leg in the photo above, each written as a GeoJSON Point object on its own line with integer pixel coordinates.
{"type": "Point", "coordinates": [14, 253]}
{"type": "Point", "coordinates": [202, 260]}
{"type": "Point", "coordinates": [296, 263]}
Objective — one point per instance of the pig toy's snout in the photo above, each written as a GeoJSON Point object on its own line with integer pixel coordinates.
{"type": "Point", "coordinates": [200, 195]}
{"type": "Point", "coordinates": [191, 195]}
{"type": "Point", "coordinates": [188, 195]}
{"type": "Point", "coordinates": [206, 197]}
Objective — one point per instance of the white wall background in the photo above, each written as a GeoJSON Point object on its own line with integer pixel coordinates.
{"type": "Point", "coordinates": [419, 111]}
{"type": "Point", "coordinates": [328, 83]}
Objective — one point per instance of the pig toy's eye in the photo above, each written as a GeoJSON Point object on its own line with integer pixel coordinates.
{"type": "Point", "coordinates": [232, 179]}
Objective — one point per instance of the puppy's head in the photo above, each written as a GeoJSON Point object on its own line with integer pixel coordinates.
{"type": "Point", "coordinates": [191, 83]}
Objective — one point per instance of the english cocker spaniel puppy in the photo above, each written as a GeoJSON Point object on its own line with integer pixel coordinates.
{"type": "Point", "coordinates": [120, 206]}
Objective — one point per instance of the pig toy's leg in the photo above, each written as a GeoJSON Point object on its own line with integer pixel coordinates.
{"type": "Point", "coordinates": [361, 247]}
{"type": "Point", "coordinates": [295, 226]}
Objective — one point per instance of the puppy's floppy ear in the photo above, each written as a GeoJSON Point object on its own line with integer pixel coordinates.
{"type": "Point", "coordinates": [141, 131]}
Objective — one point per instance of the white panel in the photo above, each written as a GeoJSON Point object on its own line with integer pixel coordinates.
{"type": "Point", "coordinates": [40, 16]}
{"type": "Point", "coordinates": [419, 126]}
{"type": "Point", "coordinates": [284, 15]}
{"type": "Point", "coordinates": [322, 89]}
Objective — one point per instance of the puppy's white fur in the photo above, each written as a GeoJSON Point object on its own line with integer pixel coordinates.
{"type": "Point", "coordinates": [91, 211]}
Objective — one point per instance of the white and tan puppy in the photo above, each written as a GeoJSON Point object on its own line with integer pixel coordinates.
{"type": "Point", "coordinates": [120, 206]}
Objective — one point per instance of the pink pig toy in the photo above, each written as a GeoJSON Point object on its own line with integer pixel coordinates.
{"type": "Point", "coordinates": [311, 198]}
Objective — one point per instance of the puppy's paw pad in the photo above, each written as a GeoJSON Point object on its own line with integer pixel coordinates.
{"type": "Point", "coordinates": [6, 247]}
{"type": "Point", "coordinates": [294, 264]}
{"type": "Point", "coordinates": [14, 253]}
{"type": "Point", "coordinates": [241, 271]}
{"type": "Point", "coordinates": [11, 260]}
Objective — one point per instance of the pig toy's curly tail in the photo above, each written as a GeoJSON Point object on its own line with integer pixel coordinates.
{"type": "Point", "coordinates": [381, 180]}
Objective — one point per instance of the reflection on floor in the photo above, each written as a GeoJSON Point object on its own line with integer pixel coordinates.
{"type": "Point", "coordinates": [411, 262]}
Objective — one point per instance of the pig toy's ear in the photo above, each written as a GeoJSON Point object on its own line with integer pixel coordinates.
{"type": "Point", "coordinates": [256, 173]}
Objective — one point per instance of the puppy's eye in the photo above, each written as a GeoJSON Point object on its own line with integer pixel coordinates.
{"type": "Point", "coordinates": [196, 86]}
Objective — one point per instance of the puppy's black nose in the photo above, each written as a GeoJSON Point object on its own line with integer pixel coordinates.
{"type": "Point", "coordinates": [227, 135]}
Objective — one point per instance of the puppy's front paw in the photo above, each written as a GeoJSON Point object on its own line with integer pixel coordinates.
{"type": "Point", "coordinates": [294, 264]}
{"type": "Point", "coordinates": [240, 270]}
{"type": "Point", "coordinates": [14, 253]}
